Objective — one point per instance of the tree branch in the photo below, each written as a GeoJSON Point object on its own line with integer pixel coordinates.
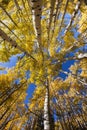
{"type": "Point", "coordinates": [14, 43]}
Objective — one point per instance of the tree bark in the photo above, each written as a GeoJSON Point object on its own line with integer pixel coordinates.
{"type": "Point", "coordinates": [47, 110]}
{"type": "Point", "coordinates": [13, 43]}
{"type": "Point", "coordinates": [33, 123]}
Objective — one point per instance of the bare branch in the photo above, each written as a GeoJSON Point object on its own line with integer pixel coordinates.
{"type": "Point", "coordinates": [72, 18]}
{"type": "Point", "coordinates": [81, 56]}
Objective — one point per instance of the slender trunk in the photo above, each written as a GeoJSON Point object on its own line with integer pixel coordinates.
{"type": "Point", "coordinates": [33, 123]}
{"type": "Point", "coordinates": [47, 110]}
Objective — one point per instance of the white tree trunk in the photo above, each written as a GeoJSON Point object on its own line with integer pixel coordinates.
{"type": "Point", "coordinates": [47, 111]}
{"type": "Point", "coordinates": [13, 43]}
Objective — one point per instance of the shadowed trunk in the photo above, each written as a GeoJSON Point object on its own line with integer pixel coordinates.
{"type": "Point", "coordinates": [33, 123]}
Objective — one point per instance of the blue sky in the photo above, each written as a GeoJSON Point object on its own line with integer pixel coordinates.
{"type": "Point", "coordinates": [12, 62]}
{"type": "Point", "coordinates": [65, 65]}
{"type": "Point", "coordinates": [9, 64]}
{"type": "Point", "coordinates": [30, 90]}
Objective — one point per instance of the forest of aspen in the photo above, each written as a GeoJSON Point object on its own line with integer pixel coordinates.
{"type": "Point", "coordinates": [43, 64]}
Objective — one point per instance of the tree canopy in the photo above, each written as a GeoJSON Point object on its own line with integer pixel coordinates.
{"type": "Point", "coordinates": [46, 36]}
